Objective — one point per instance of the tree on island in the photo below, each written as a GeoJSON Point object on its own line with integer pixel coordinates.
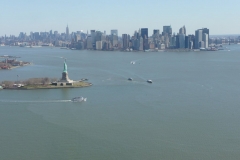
{"type": "Point", "coordinates": [32, 81]}
{"type": "Point", "coordinates": [7, 84]}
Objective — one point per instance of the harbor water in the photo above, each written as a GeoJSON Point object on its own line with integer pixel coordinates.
{"type": "Point", "coordinates": [190, 111]}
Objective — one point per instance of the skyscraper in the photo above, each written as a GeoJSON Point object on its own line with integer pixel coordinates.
{"type": "Point", "coordinates": [156, 32]}
{"type": "Point", "coordinates": [114, 32]}
{"type": "Point", "coordinates": [173, 41]}
{"type": "Point", "coordinates": [136, 44]}
{"type": "Point", "coordinates": [77, 37]}
{"type": "Point", "coordinates": [99, 45]}
{"type": "Point", "coordinates": [114, 40]}
{"type": "Point", "coordinates": [93, 37]}
{"type": "Point", "coordinates": [67, 32]}
{"type": "Point", "coordinates": [177, 41]}
{"type": "Point", "coordinates": [167, 29]}
{"type": "Point", "coordinates": [201, 38]}
{"type": "Point", "coordinates": [187, 42]}
{"type": "Point", "coordinates": [140, 43]}
{"type": "Point", "coordinates": [205, 30]}
{"type": "Point", "coordinates": [182, 41]}
{"type": "Point", "coordinates": [156, 37]}
{"type": "Point", "coordinates": [167, 33]}
{"type": "Point", "coordinates": [144, 32]}
{"type": "Point", "coordinates": [98, 36]}
{"type": "Point", "coordinates": [144, 35]}
{"type": "Point", "coordinates": [191, 41]}
{"type": "Point", "coordinates": [182, 30]}
{"type": "Point", "coordinates": [37, 36]}
{"type": "Point", "coordinates": [198, 38]}
{"type": "Point", "coordinates": [89, 42]}
{"type": "Point", "coordinates": [205, 40]}
{"type": "Point", "coordinates": [125, 41]}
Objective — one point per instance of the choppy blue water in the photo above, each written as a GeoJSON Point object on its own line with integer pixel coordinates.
{"type": "Point", "coordinates": [190, 111]}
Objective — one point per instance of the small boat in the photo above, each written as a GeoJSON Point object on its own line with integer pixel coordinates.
{"type": "Point", "coordinates": [149, 81]}
{"type": "Point", "coordinates": [130, 79]}
{"type": "Point", "coordinates": [35, 46]}
{"type": "Point", "coordinates": [84, 79]}
{"type": "Point", "coordinates": [79, 99]}
{"type": "Point", "coordinates": [132, 62]}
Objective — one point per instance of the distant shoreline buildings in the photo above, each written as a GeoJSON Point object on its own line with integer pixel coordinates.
{"type": "Point", "coordinates": [141, 40]}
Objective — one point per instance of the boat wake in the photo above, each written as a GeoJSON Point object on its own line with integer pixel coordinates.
{"type": "Point", "coordinates": [44, 101]}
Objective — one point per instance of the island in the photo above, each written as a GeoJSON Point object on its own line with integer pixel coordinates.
{"type": "Point", "coordinates": [11, 62]}
{"type": "Point", "coordinates": [46, 83]}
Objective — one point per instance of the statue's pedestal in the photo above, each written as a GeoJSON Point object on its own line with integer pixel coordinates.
{"type": "Point", "coordinates": [65, 80]}
{"type": "Point", "coordinates": [65, 77]}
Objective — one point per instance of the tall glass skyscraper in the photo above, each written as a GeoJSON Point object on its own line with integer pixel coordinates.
{"type": "Point", "coordinates": [144, 32]}
{"type": "Point", "coordinates": [167, 29]}
{"type": "Point", "coordinates": [182, 30]}
{"type": "Point", "coordinates": [114, 32]}
{"type": "Point", "coordinates": [181, 40]}
{"type": "Point", "coordinates": [125, 41]}
{"type": "Point", "coordinates": [67, 32]}
{"type": "Point", "coordinates": [156, 31]}
{"type": "Point", "coordinates": [144, 35]}
{"type": "Point", "coordinates": [201, 36]}
{"type": "Point", "coordinates": [198, 38]}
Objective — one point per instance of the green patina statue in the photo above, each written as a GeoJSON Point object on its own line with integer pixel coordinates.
{"type": "Point", "coordinates": [65, 67]}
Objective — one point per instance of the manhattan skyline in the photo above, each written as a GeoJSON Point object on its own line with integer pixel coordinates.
{"type": "Point", "coordinates": [126, 16]}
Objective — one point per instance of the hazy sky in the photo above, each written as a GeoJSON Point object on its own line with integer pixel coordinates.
{"type": "Point", "coordinates": [221, 17]}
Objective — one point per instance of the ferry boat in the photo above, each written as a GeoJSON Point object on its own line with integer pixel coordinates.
{"type": "Point", "coordinates": [149, 81]}
{"type": "Point", "coordinates": [79, 99]}
{"type": "Point", "coordinates": [213, 49]}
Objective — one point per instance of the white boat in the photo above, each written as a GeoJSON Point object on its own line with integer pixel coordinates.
{"type": "Point", "coordinates": [132, 62]}
{"type": "Point", "coordinates": [203, 49]}
{"type": "Point", "coordinates": [35, 46]}
{"type": "Point", "coordinates": [79, 99]}
{"type": "Point", "coordinates": [149, 81]}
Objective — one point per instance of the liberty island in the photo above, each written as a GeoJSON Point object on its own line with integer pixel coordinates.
{"type": "Point", "coordinates": [43, 83]}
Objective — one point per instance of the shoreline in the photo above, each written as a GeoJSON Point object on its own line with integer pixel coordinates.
{"type": "Point", "coordinates": [14, 67]}
{"type": "Point", "coordinates": [35, 87]}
